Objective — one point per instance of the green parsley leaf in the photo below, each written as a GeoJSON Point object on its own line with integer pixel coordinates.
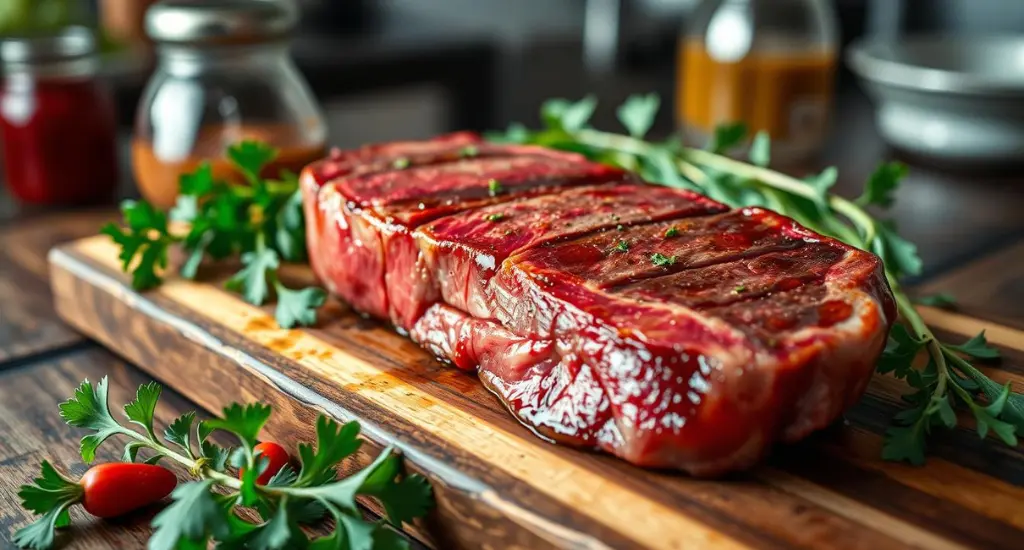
{"type": "Point", "coordinates": [290, 235]}
{"type": "Point", "coordinates": [217, 455]}
{"type": "Point", "coordinates": [194, 514]}
{"type": "Point", "coordinates": [727, 136]}
{"type": "Point", "coordinates": [297, 307]}
{"type": "Point", "coordinates": [179, 432]}
{"type": "Point", "coordinates": [905, 443]}
{"type": "Point", "coordinates": [883, 182]}
{"type": "Point", "coordinates": [1013, 408]}
{"type": "Point", "coordinates": [400, 163]}
{"type": "Point", "coordinates": [898, 254]}
{"type": "Point", "coordinates": [131, 451]}
{"type": "Point", "coordinates": [51, 489]}
{"type": "Point", "coordinates": [284, 477]}
{"type": "Point", "coordinates": [494, 218]}
{"type": "Point", "coordinates": [245, 422]}
{"type": "Point", "coordinates": [351, 533]}
{"type": "Point", "coordinates": [469, 151]}
{"type": "Point", "coordinates": [251, 157]}
{"type": "Point", "coordinates": [515, 133]}
{"type": "Point", "coordinates": [671, 232]}
{"type": "Point", "coordinates": [567, 115]}
{"type": "Point", "coordinates": [39, 535]}
{"type": "Point", "coordinates": [494, 187]}
{"type": "Point", "coordinates": [248, 493]}
{"type": "Point", "coordinates": [823, 182]}
{"type": "Point", "coordinates": [660, 167]}
{"type": "Point", "coordinates": [662, 260]}
{"type": "Point", "coordinates": [946, 414]}
{"type": "Point", "coordinates": [144, 243]}
{"type": "Point", "coordinates": [739, 289]}
{"type": "Point", "coordinates": [88, 409]}
{"type": "Point", "coordinates": [197, 184]}
{"type": "Point", "coordinates": [638, 112]}
{"type": "Point", "coordinates": [622, 246]}
{"type": "Point", "coordinates": [405, 500]}
{"type": "Point", "coordinates": [761, 149]}
{"type": "Point", "coordinates": [342, 493]}
{"type": "Point", "coordinates": [196, 250]}
{"type": "Point", "coordinates": [140, 411]}
{"type": "Point", "coordinates": [987, 419]}
{"type": "Point", "coordinates": [276, 533]}
{"type": "Point", "coordinates": [977, 347]}
{"type": "Point", "coordinates": [900, 351]}
{"type": "Point", "coordinates": [334, 442]}
{"type": "Point", "coordinates": [940, 300]}
{"type": "Point", "coordinates": [251, 280]}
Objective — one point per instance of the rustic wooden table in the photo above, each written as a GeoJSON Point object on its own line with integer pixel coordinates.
{"type": "Point", "coordinates": [970, 229]}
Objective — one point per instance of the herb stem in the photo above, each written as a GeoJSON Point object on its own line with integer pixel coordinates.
{"type": "Point", "coordinates": [910, 316]}
{"type": "Point", "coordinates": [190, 464]}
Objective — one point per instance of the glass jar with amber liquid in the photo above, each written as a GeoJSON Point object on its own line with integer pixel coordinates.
{"type": "Point", "coordinates": [224, 75]}
{"type": "Point", "coordinates": [769, 64]}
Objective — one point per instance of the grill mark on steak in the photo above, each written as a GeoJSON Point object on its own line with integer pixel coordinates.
{"type": "Point", "coordinates": [607, 260]}
{"type": "Point", "coordinates": [382, 155]}
{"type": "Point", "coordinates": [468, 179]}
{"type": "Point", "coordinates": [737, 281]}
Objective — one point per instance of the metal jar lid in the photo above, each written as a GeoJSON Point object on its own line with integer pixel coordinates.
{"type": "Point", "coordinates": [220, 22]}
{"type": "Point", "coordinates": [70, 43]}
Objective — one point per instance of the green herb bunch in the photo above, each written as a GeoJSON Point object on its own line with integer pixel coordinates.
{"type": "Point", "coordinates": [947, 379]}
{"type": "Point", "coordinates": [262, 223]}
{"type": "Point", "coordinates": [208, 509]}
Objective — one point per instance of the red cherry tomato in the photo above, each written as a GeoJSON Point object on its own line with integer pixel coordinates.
{"type": "Point", "coordinates": [277, 457]}
{"type": "Point", "coordinates": [114, 489]}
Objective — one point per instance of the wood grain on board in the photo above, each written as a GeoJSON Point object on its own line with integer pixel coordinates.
{"type": "Point", "coordinates": [28, 323]}
{"type": "Point", "coordinates": [498, 485]}
{"type": "Point", "coordinates": [992, 286]}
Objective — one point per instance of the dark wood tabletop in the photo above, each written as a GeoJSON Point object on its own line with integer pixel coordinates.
{"type": "Point", "coordinates": [970, 230]}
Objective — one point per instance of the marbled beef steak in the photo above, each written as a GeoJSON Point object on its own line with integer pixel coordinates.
{"type": "Point", "coordinates": [651, 323]}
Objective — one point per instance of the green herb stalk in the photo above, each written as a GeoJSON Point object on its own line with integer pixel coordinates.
{"type": "Point", "coordinates": [207, 509]}
{"type": "Point", "coordinates": [261, 222]}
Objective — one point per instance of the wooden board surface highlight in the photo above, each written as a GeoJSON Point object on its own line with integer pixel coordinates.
{"type": "Point", "coordinates": [498, 485]}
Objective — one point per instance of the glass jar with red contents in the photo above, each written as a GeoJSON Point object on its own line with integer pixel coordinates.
{"type": "Point", "coordinates": [57, 120]}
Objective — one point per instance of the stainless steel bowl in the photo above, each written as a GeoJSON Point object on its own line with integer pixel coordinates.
{"type": "Point", "coordinates": [952, 98]}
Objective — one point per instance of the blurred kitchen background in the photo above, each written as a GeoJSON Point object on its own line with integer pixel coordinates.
{"type": "Point", "coordinates": [386, 69]}
{"type": "Point", "coordinates": [391, 69]}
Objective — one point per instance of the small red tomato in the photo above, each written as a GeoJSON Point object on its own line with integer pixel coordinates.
{"type": "Point", "coordinates": [275, 454]}
{"type": "Point", "coordinates": [114, 489]}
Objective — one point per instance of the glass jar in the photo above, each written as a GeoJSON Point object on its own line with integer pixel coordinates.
{"type": "Point", "coordinates": [767, 63]}
{"type": "Point", "coordinates": [224, 75]}
{"type": "Point", "coordinates": [57, 120]}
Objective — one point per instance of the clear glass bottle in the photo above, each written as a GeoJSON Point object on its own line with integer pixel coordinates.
{"type": "Point", "coordinates": [767, 63]}
{"type": "Point", "coordinates": [224, 75]}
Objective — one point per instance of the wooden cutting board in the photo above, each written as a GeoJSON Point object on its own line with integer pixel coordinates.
{"type": "Point", "coordinates": [497, 485]}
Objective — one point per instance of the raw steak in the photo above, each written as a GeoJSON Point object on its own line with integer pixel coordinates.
{"type": "Point", "coordinates": [651, 323]}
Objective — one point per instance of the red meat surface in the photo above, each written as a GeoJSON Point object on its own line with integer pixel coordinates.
{"type": "Point", "coordinates": [650, 323]}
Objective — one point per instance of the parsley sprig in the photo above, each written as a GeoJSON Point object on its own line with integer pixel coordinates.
{"type": "Point", "coordinates": [261, 222]}
{"type": "Point", "coordinates": [947, 378]}
{"type": "Point", "coordinates": [207, 509]}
